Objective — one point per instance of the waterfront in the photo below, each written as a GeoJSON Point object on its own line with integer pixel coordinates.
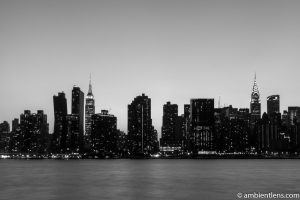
{"type": "Point", "coordinates": [145, 179]}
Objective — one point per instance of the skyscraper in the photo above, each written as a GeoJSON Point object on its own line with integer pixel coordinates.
{"type": "Point", "coordinates": [273, 104]}
{"type": "Point", "coordinates": [168, 130]}
{"type": "Point", "coordinates": [4, 136]}
{"type": "Point", "coordinates": [255, 107]}
{"type": "Point", "coordinates": [202, 124]}
{"type": "Point", "coordinates": [141, 133]}
{"type": "Point", "coordinates": [78, 109]}
{"type": "Point", "coordinates": [89, 111]}
{"type": "Point", "coordinates": [15, 124]}
{"type": "Point", "coordinates": [4, 127]}
{"type": "Point", "coordinates": [293, 114]}
{"type": "Point", "coordinates": [74, 140]}
{"type": "Point", "coordinates": [186, 115]}
{"type": "Point", "coordinates": [173, 128]}
{"type": "Point", "coordinates": [34, 130]}
{"type": "Point", "coordinates": [104, 133]}
{"type": "Point", "coordinates": [58, 142]}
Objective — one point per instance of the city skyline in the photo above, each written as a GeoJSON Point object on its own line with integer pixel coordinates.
{"type": "Point", "coordinates": [169, 51]}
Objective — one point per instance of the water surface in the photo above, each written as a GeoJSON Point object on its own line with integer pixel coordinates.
{"type": "Point", "coordinates": [145, 179]}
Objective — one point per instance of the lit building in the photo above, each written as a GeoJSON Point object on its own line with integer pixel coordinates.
{"type": "Point", "coordinates": [172, 129]}
{"type": "Point", "coordinates": [34, 130]}
{"type": "Point", "coordinates": [186, 127]}
{"type": "Point", "coordinates": [170, 115]}
{"type": "Point", "coordinates": [89, 111]}
{"type": "Point", "coordinates": [255, 106]}
{"type": "Point", "coordinates": [202, 125]}
{"type": "Point", "coordinates": [141, 134]}
{"type": "Point", "coordinates": [231, 130]}
{"type": "Point", "coordinates": [74, 140]}
{"type": "Point", "coordinates": [104, 134]}
{"type": "Point", "coordinates": [4, 136]}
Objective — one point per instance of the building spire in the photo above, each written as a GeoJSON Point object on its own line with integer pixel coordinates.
{"type": "Point", "coordinates": [90, 93]}
{"type": "Point", "coordinates": [255, 92]}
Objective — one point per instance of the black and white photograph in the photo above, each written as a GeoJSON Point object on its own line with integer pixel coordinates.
{"type": "Point", "coordinates": [149, 99]}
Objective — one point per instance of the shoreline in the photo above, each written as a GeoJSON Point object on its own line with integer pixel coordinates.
{"type": "Point", "coordinates": [197, 157]}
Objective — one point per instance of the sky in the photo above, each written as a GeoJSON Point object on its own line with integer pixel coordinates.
{"type": "Point", "coordinates": [168, 49]}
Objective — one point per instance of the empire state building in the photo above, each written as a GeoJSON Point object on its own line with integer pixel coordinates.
{"type": "Point", "coordinates": [255, 106]}
{"type": "Point", "coordinates": [89, 111]}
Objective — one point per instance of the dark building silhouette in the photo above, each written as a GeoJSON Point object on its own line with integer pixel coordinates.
{"type": "Point", "coordinates": [104, 134]}
{"type": "Point", "coordinates": [201, 125]}
{"type": "Point", "coordinates": [4, 136]}
{"type": "Point", "coordinates": [244, 114]}
{"type": "Point", "coordinates": [293, 114]}
{"type": "Point", "coordinates": [15, 140]}
{"type": "Point", "coordinates": [255, 106]}
{"type": "Point", "coordinates": [34, 130]}
{"type": "Point", "coordinates": [172, 129]}
{"type": "Point", "coordinates": [186, 127]}
{"type": "Point", "coordinates": [78, 106]}
{"type": "Point", "coordinates": [273, 104]}
{"type": "Point", "coordinates": [77, 141]}
{"type": "Point", "coordinates": [122, 144]}
{"type": "Point", "coordinates": [58, 144]}
{"type": "Point", "coordinates": [168, 130]}
{"type": "Point", "coordinates": [15, 124]}
{"type": "Point", "coordinates": [4, 127]}
{"type": "Point", "coordinates": [142, 135]}
{"type": "Point", "coordinates": [89, 111]}
{"type": "Point", "coordinates": [268, 135]}
{"type": "Point", "coordinates": [74, 140]}
{"type": "Point", "coordinates": [292, 129]}
{"type": "Point", "coordinates": [232, 130]}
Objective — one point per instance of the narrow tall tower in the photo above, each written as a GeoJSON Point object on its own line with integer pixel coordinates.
{"type": "Point", "coordinates": [76, 121]}
{"type": "Point", "coordinates": [255, 106]}
{"type": "Point", "coordinates": [89, 111]}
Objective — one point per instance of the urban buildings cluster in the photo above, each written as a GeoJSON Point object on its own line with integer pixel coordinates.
{"type": "Point", "coordinates": [201, 130]}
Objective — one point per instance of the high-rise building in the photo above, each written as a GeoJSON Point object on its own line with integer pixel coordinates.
{"type": "Point", "coordinates": [74, 140]}
{"type": "Point", "coordinates": [186, 116]}
{"type": "Point", "coordinates": [89, 111]}
{"type": "Point", "coordinates": [78, 109]}
{"type": "Point", "coordinates": [15, 137]}
{"type": "Point", "coordinates": [34, 129]}
{"type": "Point", "coordinates": [4, 136]}
{"type": "Point", "coordinates": [78, 106]}
{"type": "Point", "coordinates": [15, 124]}
{"type": "Point", "coordinates": [293, 115]}
{"type": "Point", "coordinates": [255, 106]}
{"type": "Point", "coordinates": [268, 135]}
{"type": "Point", "coordinates": [244, 114]}
{"type": "Point", "coordinates": [273, 104]}
{"type": "Point", "coordinates": [202, 124]}
{"type": "Point", "coordinates": [4, 127]}
{"type": "Point", "coordinates": [58, 142]}
{"type": "Point", "coordinates": [141, 133]}
{"type": "Point", "coordinates": [168, 130]}
{"type": "Point", "coordinates": [104, 135]}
